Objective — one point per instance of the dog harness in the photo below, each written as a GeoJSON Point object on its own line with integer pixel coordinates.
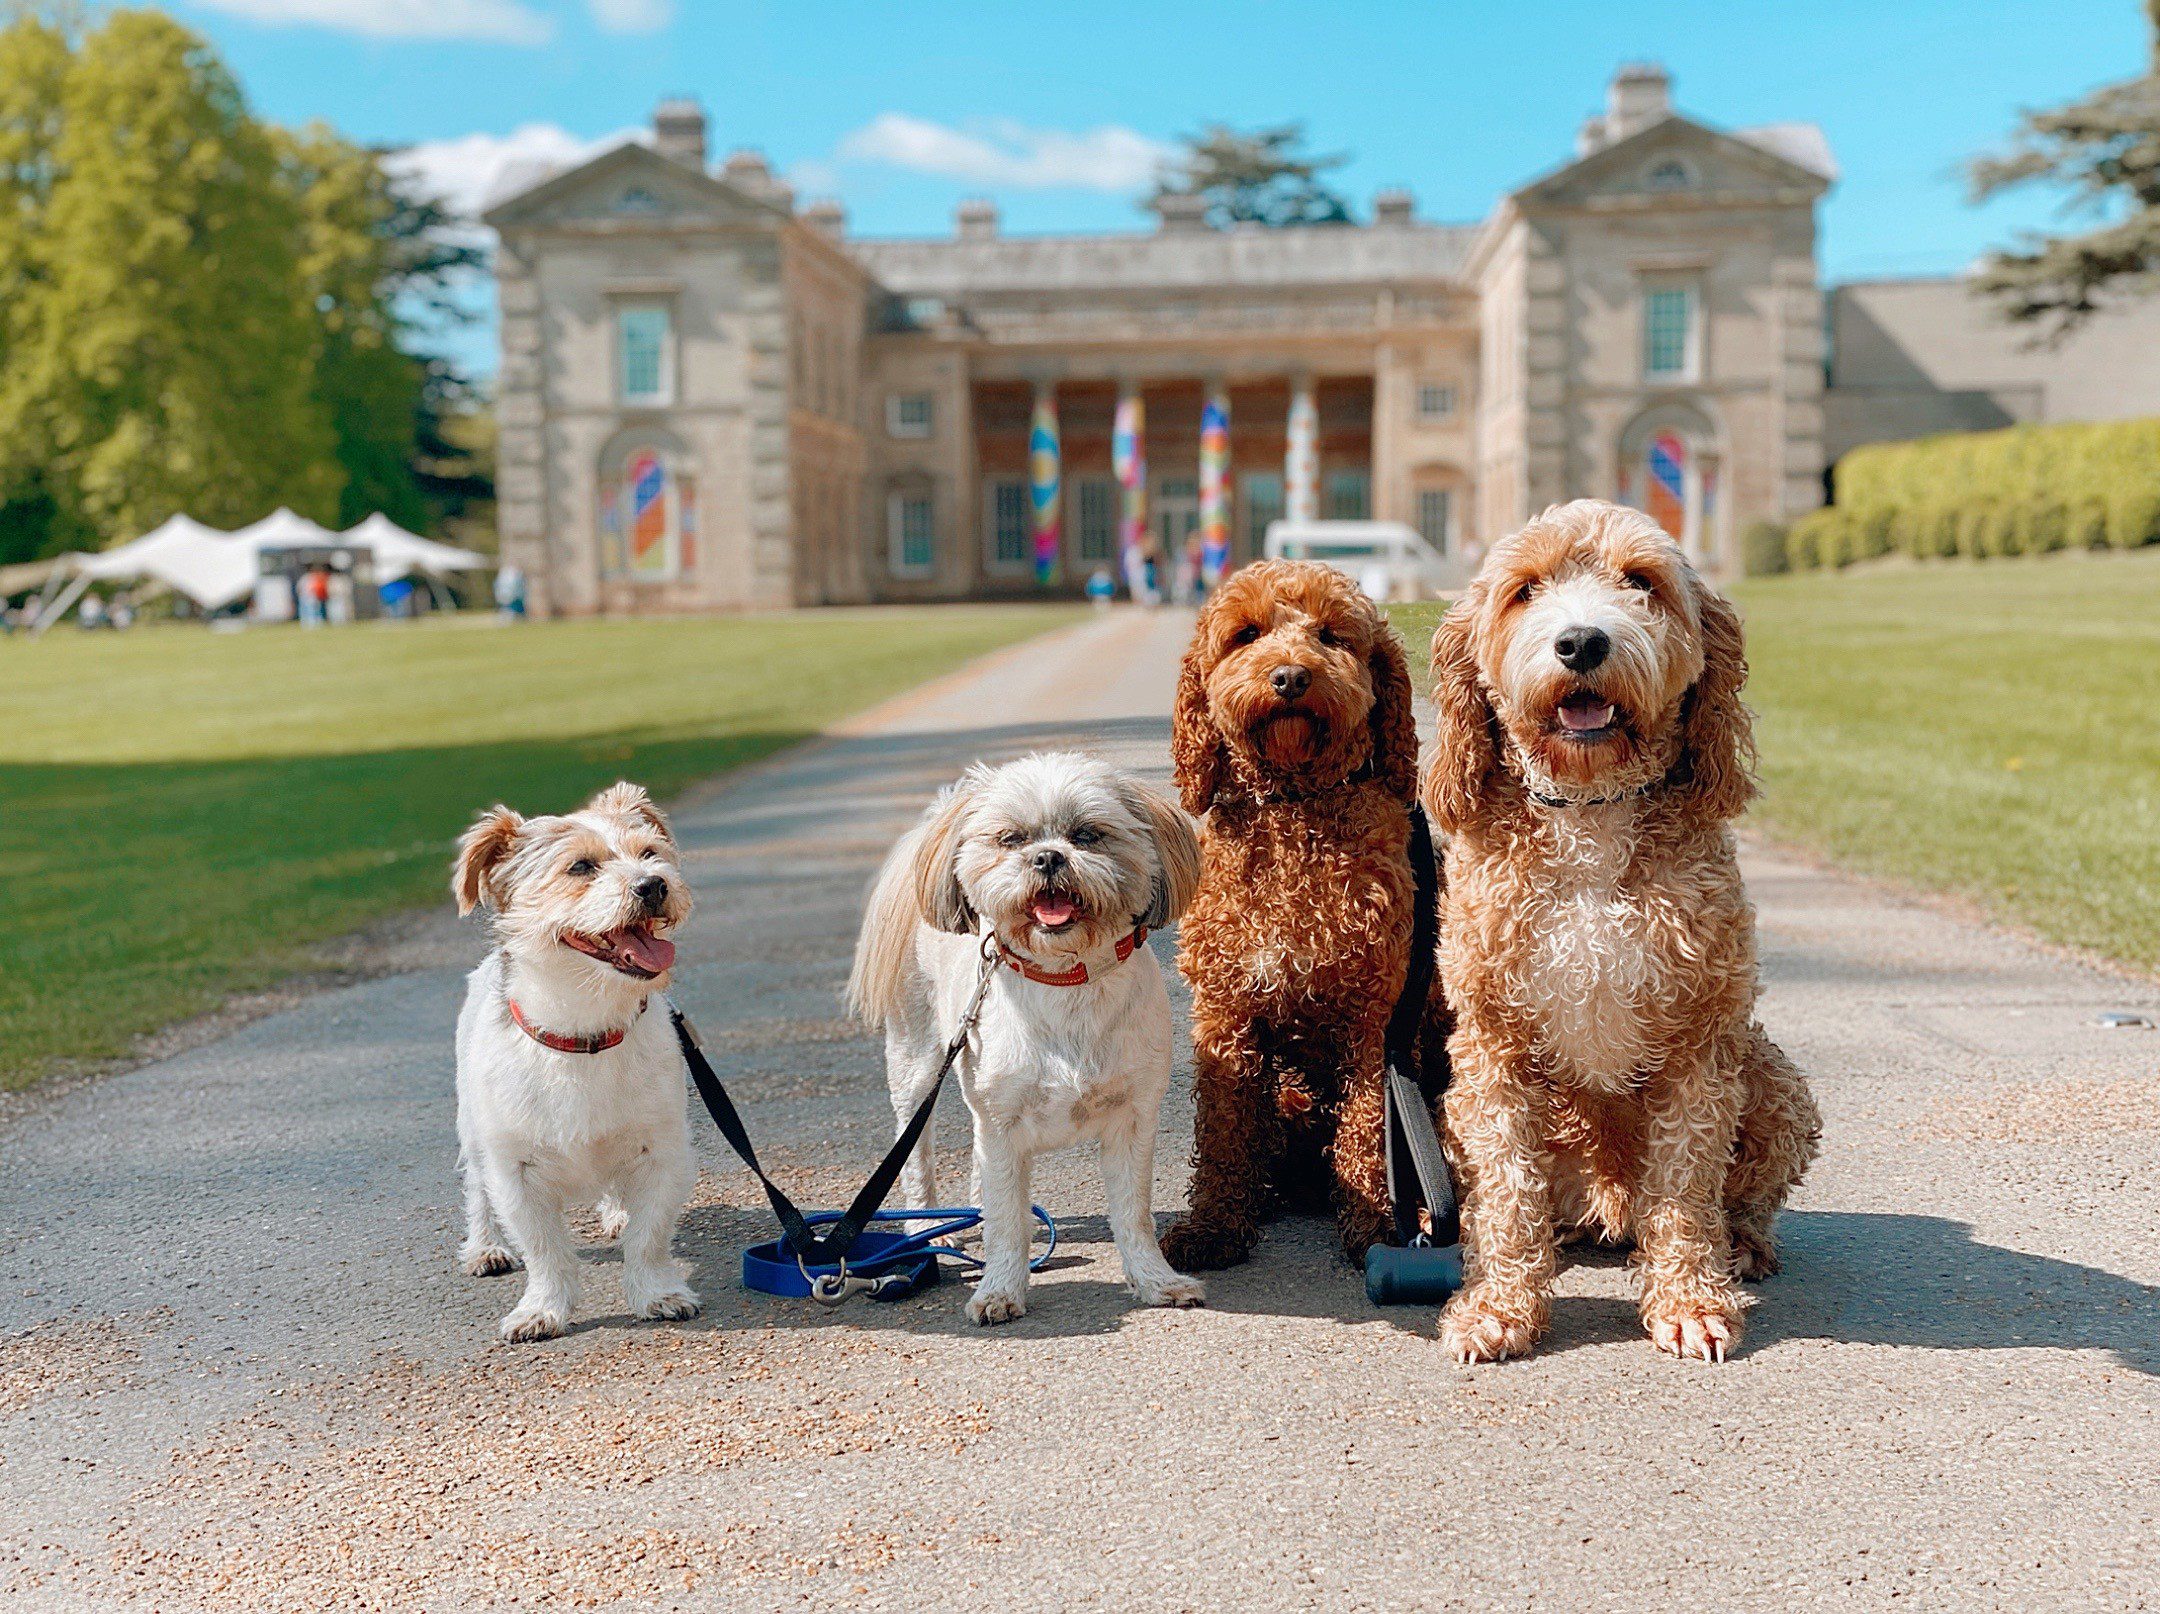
{"type": "Point", "coordinates": [598, 1043]}
{"type": "Point", "coordinates": [1078, 975]}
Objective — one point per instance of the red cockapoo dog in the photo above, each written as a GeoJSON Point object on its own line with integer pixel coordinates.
{"type": "Point", "coordinates": [1597, 949]}
{"type": "Point", "coordinates": [1294, 734]}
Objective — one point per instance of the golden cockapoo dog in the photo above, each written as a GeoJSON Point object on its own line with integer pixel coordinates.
{"type": "Point", "coordinates": [1294, 733]}
{"type": "Point", "coordinates": [1597, 949]}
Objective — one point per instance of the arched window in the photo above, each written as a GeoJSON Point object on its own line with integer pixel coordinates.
{"type": "Point", "coordinates": [1669, 174]}
{"type": "Point", "coordinates": [648, 511]}
{"type": "Point", "coordinates": [1669, 463]}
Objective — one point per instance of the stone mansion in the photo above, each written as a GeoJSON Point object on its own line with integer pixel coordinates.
{"type": "Point", "coordinates": [712, 399]}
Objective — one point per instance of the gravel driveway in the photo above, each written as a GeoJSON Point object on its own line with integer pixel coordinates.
{"type": "Point", "coordinates": [239, 1369]}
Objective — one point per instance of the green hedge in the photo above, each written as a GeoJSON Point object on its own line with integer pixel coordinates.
{"type": "Point", "coordinates": [2026, 490]}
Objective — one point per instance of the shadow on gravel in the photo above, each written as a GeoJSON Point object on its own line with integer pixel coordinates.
{"type": "Point", "coordinates": [1885, 1279]}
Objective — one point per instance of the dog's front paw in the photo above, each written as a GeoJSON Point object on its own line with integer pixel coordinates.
{"type": "Point", "coordinates": [1176, 1291]}
{"type": "Point", "coordinates": [486, 1260]}
{"type": "Point", "coordinates": [1476, 1328]}
{"type": "Point", "coordinates": [1194, 1246]}
{"type": "Point", "coordinates": [529, 1323]}
{"type": "Point", "coordinates": [987, 1305]}
{"type": "Point", "coordinates": [1704, 1330]}
{"type": "Point", "coordinates": [610, 1219]}
{"type": "Point", "coordinates": [672, 1305]}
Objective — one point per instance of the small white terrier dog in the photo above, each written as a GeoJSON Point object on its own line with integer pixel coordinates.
{"type": "Point", "coordinates": [1061, 864]}
{"type": "Point", "coordinates": [569, 1080]}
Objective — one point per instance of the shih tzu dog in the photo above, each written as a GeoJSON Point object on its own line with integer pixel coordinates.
{"type": "Point", "coordinates": [1059, 865]}
{"type": "Point", "coordinates": [569, 1081]}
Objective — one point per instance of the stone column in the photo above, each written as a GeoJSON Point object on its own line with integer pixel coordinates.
{"type": "Point", "coordinates": [1043, 480]}
{"type": "Point", "coordinates": [1128, 459]}
{"type": "Point", "coordinates": [1301, 462]}
{"type": "Point", "coordinates": [1214, 484]}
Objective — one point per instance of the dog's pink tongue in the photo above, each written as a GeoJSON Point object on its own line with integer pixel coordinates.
{"type": "Point", "coordinates": [1053, 911]}
{"type": "Point", "coordinates": [653, 954]}
{"type": "Point", "coordinates": [1582, 712]}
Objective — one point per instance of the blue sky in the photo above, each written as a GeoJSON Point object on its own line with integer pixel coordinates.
{"type": "Point", "coordinates": [1055, 110]}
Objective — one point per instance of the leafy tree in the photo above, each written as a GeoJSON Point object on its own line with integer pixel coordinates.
{"type": "Point", "coordinates": [2105, 151]}
{"type": "Point", "coordinates": [1263, 177]}
{"type": "Point", "coordinates": [170, 359]}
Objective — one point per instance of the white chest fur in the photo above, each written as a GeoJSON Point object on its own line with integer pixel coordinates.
{"type": "Point", "coordinates": [1591, 972]}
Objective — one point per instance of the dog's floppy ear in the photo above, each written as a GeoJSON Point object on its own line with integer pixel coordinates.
{"type": "Point", "coordinates": [480, 850]}
{"type": "Point", "coordinates": [1177, 856]}
{"type": "Point", "coordinates": [626, 798]}
{"type": "Point", "coordinates": [944, 905]}
{"type": "Point", "coordinates": [1394, 721]}
{"type": "Point", "coordinates": [1463, 760]}
{"type": "Point", "coordinates": [1717, 734]}
{"type": "Point", "coordinates": [1196, 749]}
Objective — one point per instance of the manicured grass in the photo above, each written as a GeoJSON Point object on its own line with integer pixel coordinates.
{"type": "Point", "coordinates": [185, 814]}
{"type": "Point", "coordinates": [1989, 729]}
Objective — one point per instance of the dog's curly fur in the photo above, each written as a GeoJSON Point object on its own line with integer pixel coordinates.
{"type": "Point", "coordinates": [1297, 941]}
{"type": "Point", "coordinates": [1597, 947]}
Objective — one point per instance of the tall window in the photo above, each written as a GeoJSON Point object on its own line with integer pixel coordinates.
{"type": "Point", "coordinates": [1009, 540]}
{"type": "Point", "coordinates": [1349, 495]}
{"type": "Point", "coordinates": [646, 351]}
{"type": "Point", "coordinates": [911, 535]}
{"type": "Point", "coordinates": [1263, 507]}
{"type": "Point", "coordinates": [907, 414]}
{"type": "Point", "coordinates": [1097, 512]}
{"type": "Point", "coordinates": [1669, 332]}
{"type": "Point", "coordinates": [1436, 517]}
{"type": "Point", "coordinates": [1435, 401]}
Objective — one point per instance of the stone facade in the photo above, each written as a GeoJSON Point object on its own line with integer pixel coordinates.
{"type": "Point", "coordinates": [713, 400]}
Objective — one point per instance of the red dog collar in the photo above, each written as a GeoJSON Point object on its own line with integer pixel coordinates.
{"type": "Point", "coordinates": [1076, 976]}
{"type": "Point", "coordinates": [598, 1043]}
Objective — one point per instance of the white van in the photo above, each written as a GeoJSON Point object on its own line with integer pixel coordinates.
{"type": "Point", "coordinates": [1389, 560]}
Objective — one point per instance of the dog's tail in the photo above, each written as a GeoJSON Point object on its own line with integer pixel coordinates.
{"type": "Point", "coordinates": [885, 951]}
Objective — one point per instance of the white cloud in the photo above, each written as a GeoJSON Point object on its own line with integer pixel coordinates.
{"type": "Point", "coordinates": [632, 16]}
{"type": "Point", "coordinates": [467, 173]}
{"type": "Point", "coordinates": [508, 21]}
{"type": "Point", "coordinates": [1110, 158]}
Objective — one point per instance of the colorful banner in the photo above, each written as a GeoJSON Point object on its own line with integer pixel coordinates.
{"type": "Point", "coordinates": [1128, 461]}
{"type": "Point", "coordinates": [645, 477]}
{"type": "Point", "coordinates": [1043, 482]}
{"type": "Point", "coordinates": [1301, 464]}
{"type": "Point", "coordinates": [1665, 498]}
{"type": "Point", "coordinates": [1214, 487]}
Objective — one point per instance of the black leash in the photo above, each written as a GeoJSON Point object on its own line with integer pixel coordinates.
{"type": "Point", "coordinates": [1410, 1132]}
{"type": "Point", "coordinates": [830, 1247]}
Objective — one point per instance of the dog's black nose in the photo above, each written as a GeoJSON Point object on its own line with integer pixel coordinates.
{"type": "Point", "coordinates": [1580, 649]}
{"type": "Point", "coordinates": [1046, 860]}
{"type": "Point", "coordinates": [1290, 680]}
{"type": "Point", "coordinates": [652, 891]}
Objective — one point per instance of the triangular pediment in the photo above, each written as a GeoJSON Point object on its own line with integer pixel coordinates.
{"type": "Point", "coordinates": [632, 183]}
{"type": "Point", "coordinates": [1675, 159]}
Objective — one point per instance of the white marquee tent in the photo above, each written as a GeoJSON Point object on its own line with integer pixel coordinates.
{"type": "Point", "coordinates": [217, 569]}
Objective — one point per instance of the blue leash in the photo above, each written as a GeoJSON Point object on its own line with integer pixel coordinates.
{"type": "Point", "coordinates": [832, 1255]}
{"type": "Point", "coordinates": [883, 1265]}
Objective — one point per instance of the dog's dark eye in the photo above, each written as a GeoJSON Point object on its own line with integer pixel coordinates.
{"type": "Point", "coordinates": [584, 866]}
{"type": "Point", "coordinates": [1330, 638]}
{"type": "Point", "coordinates": [1642, 581]}
{"type": "Point", "coordinates": [1084, 836]}
{"type": "Point", "coordinates": [1522, 595]}
{"type": "Point", "coordinates": [1245, 635]}
{"type": "Point", "coordinates": [1013, 837]}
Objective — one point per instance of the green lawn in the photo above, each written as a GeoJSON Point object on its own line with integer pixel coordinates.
{"type": "Point", "coordinates": [185, 814]}
{"type": "Point", "coordinates": [1988, 729]}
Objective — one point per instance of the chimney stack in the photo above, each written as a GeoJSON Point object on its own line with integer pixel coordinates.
{"type": "Point", "coordinates": [976, 219]}
{"type": "Point", "coordinates": [1178, 214]}
{"type": "Point", "coordinates": [826, 216]}
{"type": "Point", "coordinates": [1591, 135]}
{"type": "Point", "coordinates": [747, 170]}
{"type": "Point", "coordinates": [679, 132]}
{"type": "Point", "coordinates": [1394, 209]}
{"type": "Point", "coordinates": [1640, 94]}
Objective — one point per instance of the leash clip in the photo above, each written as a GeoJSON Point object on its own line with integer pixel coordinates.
{"type": "Point", "coordinates": [838, 1288]}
